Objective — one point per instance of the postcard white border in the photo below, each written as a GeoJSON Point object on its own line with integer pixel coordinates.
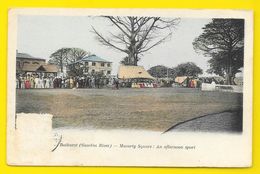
{"type": "Point", "coordinates": [239, 147]}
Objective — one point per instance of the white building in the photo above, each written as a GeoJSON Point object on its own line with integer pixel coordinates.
{"type": "Point", "coordinates": [92, 64]}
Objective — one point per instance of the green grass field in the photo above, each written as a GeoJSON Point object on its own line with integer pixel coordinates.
{"type": "Point", "coordinates": [148, 109]}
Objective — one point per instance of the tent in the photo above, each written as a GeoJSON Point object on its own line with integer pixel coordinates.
{"type": "Point", "coordinates": [133, 72]}
{"type": "Point", "coordinates": [180, 79]}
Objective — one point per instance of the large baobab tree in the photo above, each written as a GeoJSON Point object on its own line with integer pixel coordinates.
{"type": "Point", "coordinates": [136, 35]}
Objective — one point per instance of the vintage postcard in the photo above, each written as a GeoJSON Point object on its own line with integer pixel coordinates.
{"type": "Point", "coordinates": [130, 87]}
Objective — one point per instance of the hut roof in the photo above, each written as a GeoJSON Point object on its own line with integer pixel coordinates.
{"type": "Point", "coordinates": [132, 72]}
{"type": "Point", "coordinates": [180, 79]}
{"type": "Point", "coordinates": [42, 68]}
{"type": "Point", "coordinates": [50, 68]}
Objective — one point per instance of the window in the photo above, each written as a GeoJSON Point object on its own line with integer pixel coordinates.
{"type": "Point", "coordinates": [108, 64]}
{"type": "Point", "coordinates": [102, 64]}
{"type": "Point", "coordinates": [86, 63]}
{"type": "Point", "coordinates": [26, 62]}
{"type": "Point", "coordinates": [35, 63]}
{"type": "Point", "coordinates": [108, 72]}
{"type": "Point", "coordinates": [86, 70]}
{"type": "Point", "coordinates": [93, 71]}
{"type": "Point", "coordinates": [93, 63]}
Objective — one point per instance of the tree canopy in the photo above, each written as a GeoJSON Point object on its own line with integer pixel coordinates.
{"type": "Point", "coordinates": [187, 69]}
{"type": "Point", "coordinates": [136, 35]}
{"type": "Point", "coordinates": [64, 56]}
{"type": "Point", "coordinates": [223, 41]}
{"type": "Point", "coordinates": [161, 71]}
{"type": "Point", "coordinates": [184, 69]}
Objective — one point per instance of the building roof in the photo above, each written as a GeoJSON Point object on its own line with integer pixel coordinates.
{"type": "Point", "coordinates": [40, 68]}
{"type": "Point", "coordinates": [26, 56]}
{"type": "Point", "coordinates": [94, 58]}
{"type": "Point", "coordinates": [51, 68]}
{"type": "Point", "coordinates": [29, 67]}
{"type": "Point", "coordinates": [133, 72]}
{"type": "Point", "coordinates": [91, 58]}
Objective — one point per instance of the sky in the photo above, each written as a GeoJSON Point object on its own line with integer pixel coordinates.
{"type": "Point", "coordinates": [40, 36]}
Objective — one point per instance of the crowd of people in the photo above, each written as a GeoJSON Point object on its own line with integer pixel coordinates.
{"type": "Point", "coordinates": [33, 81]}
{"type": "Point", "coordinates": [193, 83]}
{"type": "Point", "coordinates": [30, 81]}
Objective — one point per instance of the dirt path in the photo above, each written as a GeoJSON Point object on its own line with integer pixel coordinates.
{"type": "Point", "coordinates": [221, 122]}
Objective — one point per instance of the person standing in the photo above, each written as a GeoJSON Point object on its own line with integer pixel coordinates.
{"type": "Point", "coordinates": [93, 82]}
{"type": "Point", "coordinates": [63, 82]}
{"type": "Point", "coordinates": [55, 82]}
{"type": "Point", "coordinates": [51, 81]}
{"type": "Point", "coordinates": [44, 81]}
{"type": "Point", "coordinates": [117, 83]}
{"type": "Point", "coordinates": [97, 82]}
{"type": "Point", "coordinates": [84, 82]}
{"type": "Point", "coordinates": [89, 82]}
{"type": "Point", "coordinates": [36, 82]}
{"type": "Point", "coordinates": [22, 82]}
{"type": "Point", "coordinates": [67, 83]}
{"type": "Point", "coordinates": [41, 83]}
{"type": "Point", "coordinates": [17, 83]}
{"type": "Point", "coordinates": [60, 82]}
{"type": "Point", "coordinates": [47, 82]}
{"type": "Point", "coordinates": [74, 82]}
{"type": "Point", "coordinates": [27, 82]}
{"type": "Point", "coordinates": [71, 82]}
{"type": "Point", "coordinates": [187, 82]}
{"type": "Point", "coordinates": [199, 83]}
{"type": "Point", "coordinates": [195, 83]}
{"type": "Point", "coordinates": [32, 82]}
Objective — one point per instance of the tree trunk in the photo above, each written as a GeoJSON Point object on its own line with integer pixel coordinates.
{"type": "Point", "coordinates": [135, 61]}
{"type": "Point", "coordinates": [229, 79]}
{"type": "Point", "coordinates": [61, 68]}
{"type": "Point", "coordinates": [229, 76]}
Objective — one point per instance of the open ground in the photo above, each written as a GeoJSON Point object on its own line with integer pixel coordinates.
{"type": "Point", "coordinates": [156, 109]}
